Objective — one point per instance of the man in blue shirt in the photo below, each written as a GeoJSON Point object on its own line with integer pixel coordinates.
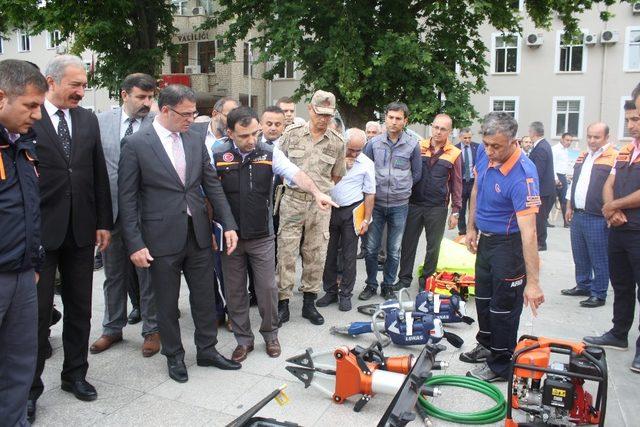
{"type": "Point", "coordinates": [502, 231]}
{"type": "Point", "coordinates": [396, 156]}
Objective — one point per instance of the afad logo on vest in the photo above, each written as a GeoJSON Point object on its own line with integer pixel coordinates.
{"type": "Point", "coordinates": [227, 157]}
{"type": "Point", "coordinates": [497, 188]}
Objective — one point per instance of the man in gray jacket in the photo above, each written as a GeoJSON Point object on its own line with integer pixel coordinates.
{"type": "Point", "coordinates": [137, 93]}
{"type": "Point", "coordinates": [396, 155]}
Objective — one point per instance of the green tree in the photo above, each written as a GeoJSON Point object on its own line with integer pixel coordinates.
{"type": "Point", "coordinates": [126, 35]}
{"type": "Point", "coordinates": [426, 53]}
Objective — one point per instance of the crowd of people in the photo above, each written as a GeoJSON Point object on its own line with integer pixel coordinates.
{"type": "Point", "coordinates": [233, 202]}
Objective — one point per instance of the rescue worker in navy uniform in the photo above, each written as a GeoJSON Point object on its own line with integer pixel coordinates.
{"type": "Point", "coordinates": [502, 230]}
{"type": "Point", "coordinates": [621, 209]}
{"type": "Point", "coordinates": [22, 90]}
{"type": "Point", "coordinates": [246, 168]}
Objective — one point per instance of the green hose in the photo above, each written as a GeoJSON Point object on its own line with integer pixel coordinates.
{"type": "Point", "coordinates": [488, 416]}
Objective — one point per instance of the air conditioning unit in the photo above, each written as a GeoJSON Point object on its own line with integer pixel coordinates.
{"type": "Point", "coordinates": [609, 37]}
{"type": "Point", "coordinates": [199, 10]}
{"type": "Point", "coordinates": [590, 39]}
{"type": "Point", "coordinates": [192, 69]}
{"type": "Point", "coordinates": [635, 7]}
{"type": "Point", "coordinates": [534, 40]}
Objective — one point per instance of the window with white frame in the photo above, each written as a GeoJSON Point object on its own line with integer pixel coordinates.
{"type": "Point", "coordinates": [623, 131]}
{"type": "Point", "coordinates": [568, 114]}
{"type": "Point", "coordinates": [505, 57]}
{"type": "Point", "coordinates": [24, 41]}
{"type": "Point", "coordinates": [632, 49]}
{"type": "Point", "coordinates": [571, 55]}
{"type": "Point", "coordinates": [284, 71]}
{"type": "Point", "coordinates": [505, 104]}
{"type": "Point", "coordinates": [180, 6]}
{"type": "Point", "coordinates": [53, 39]}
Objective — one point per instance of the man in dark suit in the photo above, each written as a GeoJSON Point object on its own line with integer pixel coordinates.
{"type": "Point", "coordinates": [76, 216]}
{"type": "Point", "coordinates": [469, 149]}
{"type": "Point", "coordinates": [163, 170]}
{"type": "Point", "coordinates": [542, 156]}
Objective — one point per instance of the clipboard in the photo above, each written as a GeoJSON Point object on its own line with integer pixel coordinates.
{"type": "Point", "coordinates": [218, 233]}
{"type": "Point", "coordinates": [358, 217]}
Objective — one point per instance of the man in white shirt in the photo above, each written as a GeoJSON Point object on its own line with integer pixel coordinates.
{"type": "Point", "coordinates": [589, 231]}
{"type": "Point", "coordinates": [561, 169]}
{"type": "Point", "coordinates": [357, 186]}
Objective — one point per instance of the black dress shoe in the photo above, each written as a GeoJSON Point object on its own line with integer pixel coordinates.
{"type": "Point", "coordinates": [220, 362]}
{"type": "Point", "coordinates": [177, 369]}
{"type": "Point", "coordinates": [607, 340]}
{"type": "Point", "coordinates": [576, 292]}
{"type": "Point", "coordinates": [550, 225]}
{"type": "Point", "coordinates": [81, 389]}
{"type": "Point", "coordinates": [134, 316]}
{"type": "Point", "coordinates": [31, 411]}
{"type": "Point", "coordinates": [592, 302]}
{"type": "Point", "coordinates": [400, 285]}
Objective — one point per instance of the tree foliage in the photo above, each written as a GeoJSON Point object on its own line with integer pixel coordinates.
{"type": "Point", "coordinates": [126, 35]}
{"type": "Point", "coordinates": [426, 53]}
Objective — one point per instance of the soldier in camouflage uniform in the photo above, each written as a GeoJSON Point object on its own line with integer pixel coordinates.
{"type": "Point", "coordinates": [320, 153]}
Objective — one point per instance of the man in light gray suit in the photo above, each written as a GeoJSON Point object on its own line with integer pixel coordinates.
{"type": "Point", "coordinates": [164, 168]}
{"type": "Point", "coordinates": [137, 93]}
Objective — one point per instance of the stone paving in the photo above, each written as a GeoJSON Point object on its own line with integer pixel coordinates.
{"type": "Point", "coordinates": [136, 391]}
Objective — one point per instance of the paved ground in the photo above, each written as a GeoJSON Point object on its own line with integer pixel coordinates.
{"type": "Point", "coordinates": [137, 391]}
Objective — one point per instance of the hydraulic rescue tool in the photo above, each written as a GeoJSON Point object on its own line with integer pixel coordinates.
{"type": "Point", "coordinates": [551, 392]}
{"type": "Point", "coordinates": [346, 372]}
{"type": "Point", "coordinates": [449, 309]}
{"type": "Point", "coordinates": [401, 328]}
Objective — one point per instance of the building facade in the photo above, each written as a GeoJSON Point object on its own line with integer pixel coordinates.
{"type": "Point", "coordinates": [565, 84]}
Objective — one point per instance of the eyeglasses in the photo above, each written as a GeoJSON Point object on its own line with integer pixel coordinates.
{"type": "Point", "coordinates": [186, 115]}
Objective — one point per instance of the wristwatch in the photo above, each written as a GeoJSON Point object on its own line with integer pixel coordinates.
{"type": "Point", "coordinates": [456, 214]}
{"type": "Point", "coordinates": [366, 221]}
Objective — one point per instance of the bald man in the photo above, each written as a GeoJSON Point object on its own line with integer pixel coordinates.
{"type": "Point", "coordinates": [589, 231]}
{"type": "Point", "coordinates": [356, 187]}
{"type": "Point", "coordinates": [429, 203]}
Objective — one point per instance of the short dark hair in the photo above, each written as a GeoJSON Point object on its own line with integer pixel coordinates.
{"type": "Point", "coordinates": [242, 115]}
{"type": "Point", "coordinates": [273, 109]}
{"type": "Point", "coordinates": [397, 106]}
{"type": "Point", "coordinates": [635, 93]}
{"type": "Point", "coordinates": [140, 80]}
{"type": "Point", "coordinates": [285, 100]}
{"type": "Point", "coordinates": [16, 75]}
{"type": "Point", "coordinates": [629, 105]}
{"type": "Point", "coordinates": [173, 95]}
{"type": "Point", "coordinates": [567, 134]}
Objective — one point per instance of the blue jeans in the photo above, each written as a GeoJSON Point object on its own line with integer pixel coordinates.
{"type": "Point", "coordinates": [395, 217]}
{"type": "Point", "coordinates": [589, 243]}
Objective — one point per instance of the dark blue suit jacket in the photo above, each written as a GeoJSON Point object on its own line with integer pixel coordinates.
{"type": "Point", "coordinates": [474, 150]}
{"type": "Point", "coordinates": [542, 157]}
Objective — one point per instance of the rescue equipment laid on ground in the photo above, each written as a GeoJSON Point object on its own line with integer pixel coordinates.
{"type": "Point", "coordinates": [450, 309]}
{"type": "Point", "coordinates": [401, 328]}
{"type": "Point", "coordinates": [346, 372]}
{"type": "Point", "coordinates": [448, 282]}
{"type": "Point", "coordinates": [552, 392]}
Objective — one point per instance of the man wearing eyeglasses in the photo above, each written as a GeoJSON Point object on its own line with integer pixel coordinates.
{"type": "Point", "coordinates": [164, 168]}
{"type": "Point", "coordinates": [429, 203]}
